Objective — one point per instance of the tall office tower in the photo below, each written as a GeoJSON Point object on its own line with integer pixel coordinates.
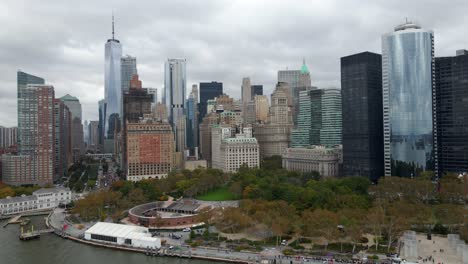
{"type": "Point", "coordinates": [246, 89]}
{"type": "Point", "coordinates": [208, 90]}
{"type": "Point", "coordinates": [150, 149]}
{"type": "Point", "coordinates": [192, 120]}
{"type": "Point", "coordinates": [408, 106]}
{"type": "Point", "coordinates": [113, 90]}
{"type": "Point", "coordinates": [257, 89]}
{"type": "Point", "coordinates": [85, 133]}
{"type": "Point", "coordinates": [205, 136]}
{"type": "Point", "coordinates": [8, 136]}
{"type": "Point", "coordinates": [261, 108]}
{"type": "Point", "coordinates": [174, 98]}
{"type": "Point", "coordinates": [74, 106]}
{"type": "Point", "coordinates": [128, 68]}
{"type": "Point", "coordinates": [102, 105]}
{"type": "Point", "coordinates": [37, 146]}
{"type": "Point", "coordinates": [23, 79]}
{"type": "Point", "coordinates": [93, 132]}
{"type": "Point", "coordinates": [319, 121]}
{"type": "Point", "coordinates": [154, 93]}
{"type": "Point", "coordinates": [451, 77]}
{"type": "Point", "coordinates": [361, 87]}
{"type": "Point", "coordinates": [160, 113]}
{"type": "Point", "coordinates": [298, 80]}
{"type": "Point", "coordinates": [274, 136]}
{"type": "Point", "coordinates": [63, 139]}
{"type": "Point", "coordinates": [136, 104]}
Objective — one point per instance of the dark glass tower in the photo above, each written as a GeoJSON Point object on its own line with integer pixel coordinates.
{"type": "Point", "coordinates": [452, 112]}
{"type": "Point", "coordinates": [257, 90]}
{"type": "Point", "coordinates": [361, 87]}
{"type": "Point", "coordinates": [208, 90]}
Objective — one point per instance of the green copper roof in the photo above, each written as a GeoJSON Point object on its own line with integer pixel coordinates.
{"type": "Point", "coordinates": [68, 97]}
{"type": "Point", "coordinates": [304, 68]}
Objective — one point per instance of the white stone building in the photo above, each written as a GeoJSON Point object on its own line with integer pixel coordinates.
{"type": "Point", "coordinates": [42, 199]}
{"type": "Point", "coordinates": [326, 161]}
{"type": "Point", "coordinates": [230, 153]}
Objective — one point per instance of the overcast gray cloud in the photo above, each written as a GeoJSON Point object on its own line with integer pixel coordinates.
{"type": "Point", "coordinates": [63, 41]}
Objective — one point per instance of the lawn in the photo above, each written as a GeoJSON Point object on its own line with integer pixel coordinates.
{"type": "Point", "coordinates": [220, 194]}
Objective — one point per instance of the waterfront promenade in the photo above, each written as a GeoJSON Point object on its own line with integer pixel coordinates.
{"type": "Point", "coordinates": [57, 221]}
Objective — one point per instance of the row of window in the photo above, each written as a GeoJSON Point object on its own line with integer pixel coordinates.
{"type": "Point", "coordinates": [104, 238]}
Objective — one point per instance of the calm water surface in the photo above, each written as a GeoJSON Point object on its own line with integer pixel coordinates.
{"type": "Point", "coordinates": [50, 249]}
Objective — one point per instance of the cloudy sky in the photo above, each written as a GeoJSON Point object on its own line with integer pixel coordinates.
{"type": "Point", "coordinates": [63, 41]}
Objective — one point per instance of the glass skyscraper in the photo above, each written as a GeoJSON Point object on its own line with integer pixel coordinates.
{"type": "Point", "coordinates": [361, 87]}
{"type": "Point", "coordinates": [319, 120]}
{"type": "Point", "coordinates": [208, 90]}
{"type": "Point", "coordinates": [174, 98]}
{"type": "Point", "coordinates": [128, 69]}
{"type": "Point", "coordinates": [407, 78]}
{"type": "Point", "coordinates": [112, 87]}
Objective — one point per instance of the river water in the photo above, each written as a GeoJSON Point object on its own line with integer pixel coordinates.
{"type": "Point", "coordinates": [51, 249]}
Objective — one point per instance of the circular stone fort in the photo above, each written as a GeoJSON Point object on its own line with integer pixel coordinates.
{"type": "Point", "coordinates": [168, 214]}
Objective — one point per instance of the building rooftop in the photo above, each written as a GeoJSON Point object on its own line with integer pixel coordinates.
{"type": "Point", "coordinates": [51, 190]}
{"type": "Point", "coordinates": [22, 198]}
{"type": "Point", "coordinates": [119, 230]}
{"type": "Point", "coordinates": [68, 97]}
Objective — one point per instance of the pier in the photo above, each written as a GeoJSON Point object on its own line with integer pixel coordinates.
{"type": "Point", "coordinates": [13, 220]}
{"type": "Point", "coordinates": [33, 234]}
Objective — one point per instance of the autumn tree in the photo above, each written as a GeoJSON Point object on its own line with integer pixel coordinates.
{"type": "Point", "coordinates": [321, 223]}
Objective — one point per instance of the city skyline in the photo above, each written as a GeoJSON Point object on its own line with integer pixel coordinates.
{"type": "Point", "coordinates": [74, 54]}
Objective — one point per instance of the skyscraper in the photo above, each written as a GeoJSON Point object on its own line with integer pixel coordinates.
{"type": "Point", "coordinates": [324, 108]}
{"type": "Point", "coordinates": [261, 108]}
{"type": "Point", "coordinates": [361, 87]}
{"type": "Point", "coordinates": [298, 80]}
{"type": "Point", "coordinates": [246, 89]}
{"type": "Point", "coordinates": [274, 136]}
{"type": "Point", "coordinates": [128, 69]}
{"type": "Point", "coordinates": [208, 90]}
{"type": "Point", "coordinates": [174, 98]}
{"type": "Point", "coordinates": [74, 107]}
{"type": "Point", "coordinates": [407, 77]}
{"type": "Point", "coordinates": [93, 133]}
{"type": "Point", "coordinates": [113, 89]}
{"type": "Point", "coordinates": [192, 119]}
{"type": "Point", "coordinates": [23, 79]}
{"type": "Point", "coordinates": [257, 89]}
{"type": "Point", "coordinates": [36, 159]}
{"type": "Point", "coordinates": [451, 77]}
{"type": "Point", "coordinates": [63, 138]}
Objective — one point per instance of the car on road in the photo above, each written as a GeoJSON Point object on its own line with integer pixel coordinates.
{"type": "Point", "coordinates": [187, 229]}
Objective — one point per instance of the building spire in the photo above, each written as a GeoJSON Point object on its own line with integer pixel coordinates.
{"type": "Point", "coordinates": [112, 25]}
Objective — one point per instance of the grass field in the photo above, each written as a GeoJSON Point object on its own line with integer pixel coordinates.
{"type": "Point", "coordinates": [220, 194]}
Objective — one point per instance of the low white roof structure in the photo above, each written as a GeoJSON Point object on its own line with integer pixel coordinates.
{"type": "Point", "coordinates": [118, 230]}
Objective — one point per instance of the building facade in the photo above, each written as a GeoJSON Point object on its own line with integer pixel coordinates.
{"type": "Point", "coordinates": [298, 80]}
{"type": "Point", "coordinates": [326, 161]}
{"type": "Point", "coordinates": [63, 139]}
{"type": "Point", "coordinates": [361, 87]}
{"type": "Point", "coordinates": [257, 89]}
{"type": "Point", "coordinates": [408, 106]}
{"type": "Point", "coordinates": [74, 106]}
{"type": "Point", "coordinates": [42, 199]}
{"type": "Point", "coordinates": [192, 119]}
{"type": "Point", "coordinates": [208, 90]}
{"type": "Point", "coordinates": [319, 121]}
{"type": "Point", "coordinates": [93, 131]}
{"type": "Point", "coordinates": [234, 152]}
{"type": "Point", "coordinates": [274, 136]}
{"type": "Point", "coordinates": [150, 150]}
{"type": "Point", "coordinates": [261, 108]}
{"type": "Point", "coordinates": [174, 98]}
{"type": "Point", "coordinates": [451, 78]}
{"type": "Point", "coordinates": [8, 136]}
{"type": "Point", "coordinates": [128, 68]}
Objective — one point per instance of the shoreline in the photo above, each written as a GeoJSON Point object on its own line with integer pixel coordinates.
{"type": "Point", "coordinates": [64, 235]}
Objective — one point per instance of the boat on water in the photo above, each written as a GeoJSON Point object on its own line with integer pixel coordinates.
{"type": "Point", "coordinates": [25, 222]}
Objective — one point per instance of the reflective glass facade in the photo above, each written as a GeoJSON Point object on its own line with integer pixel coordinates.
{"type": "Point", "coordinates": [112, 84]}
{"type": "Point", "coordinates": [208, 90]}
{"type": "Point", "coordinates": [407, 78]}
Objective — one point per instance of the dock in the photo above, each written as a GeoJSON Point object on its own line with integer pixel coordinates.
{"type": "Point", "coordinates": [33, 234]}
{"type": "Point", "coordinates": [13, 220]}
